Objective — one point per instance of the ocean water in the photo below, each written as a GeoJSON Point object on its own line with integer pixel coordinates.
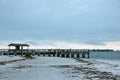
{"type": "Point", "coordinates": [97, 55]}
{"type": "Point", "coordinates": [105, 55]}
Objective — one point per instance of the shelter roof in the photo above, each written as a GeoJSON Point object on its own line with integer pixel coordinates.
{"type": "Point", "coordinates": [14, 44]}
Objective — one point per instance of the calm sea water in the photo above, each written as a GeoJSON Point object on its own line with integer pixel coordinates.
{"type": "Point", "coordinates": [105, 55]}
{"type": "Point", "coordinates": [102, 55]}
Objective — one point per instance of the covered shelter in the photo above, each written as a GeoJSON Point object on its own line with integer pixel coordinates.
{"type": "Point", "coordinates": [18, 48]}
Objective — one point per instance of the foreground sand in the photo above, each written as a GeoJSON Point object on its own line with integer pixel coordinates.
{"type": "Point", "coordinates": [54, 68]}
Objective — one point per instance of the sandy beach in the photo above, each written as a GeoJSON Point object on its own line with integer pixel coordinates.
{"type": "Point", "coordinates": [55, 68]}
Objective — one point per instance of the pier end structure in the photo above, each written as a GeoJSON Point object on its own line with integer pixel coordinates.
{"type": "Point", "coordinates": [18, 48]}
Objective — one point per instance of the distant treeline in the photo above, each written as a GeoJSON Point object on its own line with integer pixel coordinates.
{"type": "Point", "coordinates": [102, 50]}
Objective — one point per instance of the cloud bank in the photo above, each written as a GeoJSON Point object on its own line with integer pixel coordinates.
{"type": "Point", "coordinates": [49, 44]}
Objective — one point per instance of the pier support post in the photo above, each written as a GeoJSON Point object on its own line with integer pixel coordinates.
{"type": "Point", "coordinates": [49, 55]}
{"type": "Point", "coordinates": [67, 55]}
{"type": "Point", "coordinates": [33, 54]}
{"type": "Point", "coordinates": [38, 54]}
{"type": "Point", "coordinates": [62, 55]}
{"type": "Point", "coordinates": [78, 55]}
{"type": "Point", "coordinates": [72, 55]}
{"type": "Point", "coordinates": [44, 54]}
{"type": "Point", "coordinates": [58, 55]}
{"type": "Point", "coordinates": [83, 55]}
{"type": "Point", "coordinates": [53, 54]}
{"type": "Point", "coordinates": [88, 54]}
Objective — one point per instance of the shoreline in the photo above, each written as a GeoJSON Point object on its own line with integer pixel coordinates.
{"type": "Point", "coordinates": [10, 59]}
{"type": "Point", "coordinates": [6, 62]}
{"type": "Point", "coordinates": [65, 69]}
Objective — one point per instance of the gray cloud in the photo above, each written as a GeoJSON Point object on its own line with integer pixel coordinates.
{"type": "Point", "coordinates": [90, 21]}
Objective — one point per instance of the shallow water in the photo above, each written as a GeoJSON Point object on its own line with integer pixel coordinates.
{"type": "Point", "coordinates": [105, 55]}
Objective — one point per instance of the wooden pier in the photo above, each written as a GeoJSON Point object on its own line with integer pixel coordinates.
{"type": "Point", "coordinates": [19, 49]}
{"type": "Point", "coordinates": [67, 53]}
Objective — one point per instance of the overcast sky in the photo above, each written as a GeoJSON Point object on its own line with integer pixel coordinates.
{"type": "Point", "coordinates": [90, 22]}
